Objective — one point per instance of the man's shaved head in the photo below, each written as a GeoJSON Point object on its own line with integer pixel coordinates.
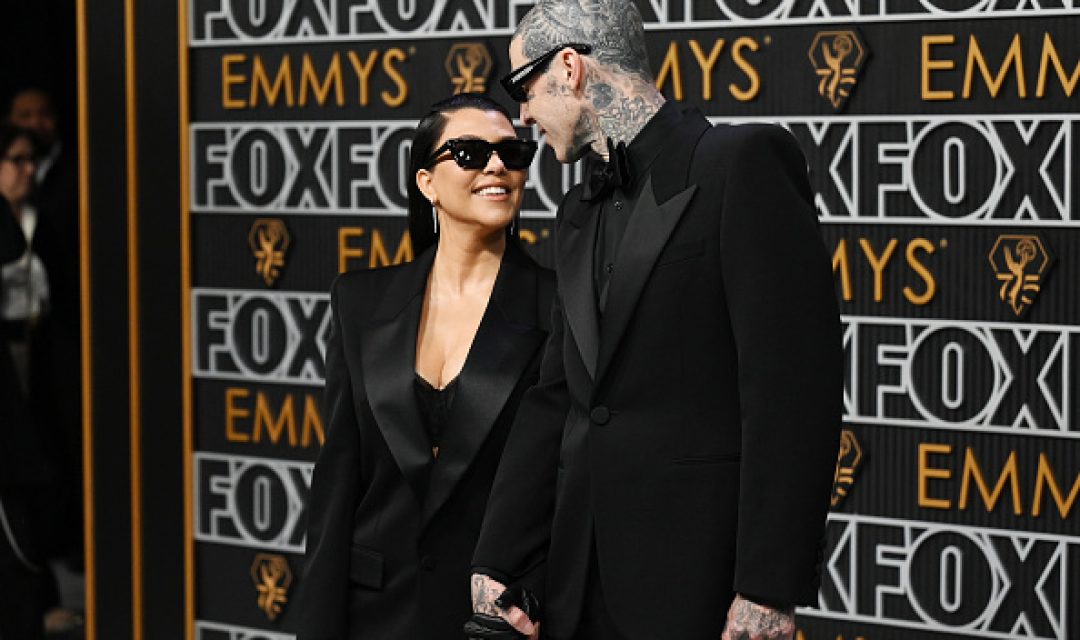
{"type": "Point", "coordinates": [612, 27]}
{"type": "Point", "coordinates": [580, 101]}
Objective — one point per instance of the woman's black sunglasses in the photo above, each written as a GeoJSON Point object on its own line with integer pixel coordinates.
{"type": "Point", "coordinates": [471, 153]}
{"type": "Point", "coordinates": [514, 82]}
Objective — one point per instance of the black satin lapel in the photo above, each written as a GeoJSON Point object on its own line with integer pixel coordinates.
{"type": "Point", "coordinates": [646, 234]}
{"type": "Point", "coordinates": [389, 357]}
{"type": "Point", "coordinates": [501, 350]}
{"type": "Point", "coordinates": [576, 283]}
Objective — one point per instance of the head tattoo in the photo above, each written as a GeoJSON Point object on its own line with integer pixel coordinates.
{"type": "Point", "coordinates": [612, 27]}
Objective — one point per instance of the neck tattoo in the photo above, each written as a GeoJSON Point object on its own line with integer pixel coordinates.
{"type": "Point", "coordinates": [618, 107]}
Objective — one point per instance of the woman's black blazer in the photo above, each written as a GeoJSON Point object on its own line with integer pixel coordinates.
{"type": "Point", "coordinates": [391, 530]}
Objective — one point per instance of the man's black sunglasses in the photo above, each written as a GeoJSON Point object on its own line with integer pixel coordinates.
{"type": "Point", "coordinates": [514, 82]}
{"type": "Point", "coordinates": [471, 153]}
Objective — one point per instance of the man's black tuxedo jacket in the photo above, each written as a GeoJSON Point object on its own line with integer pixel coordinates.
{"type": "Point", "coordinates": [691, 432]}
{"type": "Point", "coordinates": [391, 531]}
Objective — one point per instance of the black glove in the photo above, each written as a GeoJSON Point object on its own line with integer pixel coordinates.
{"type": "Point", "coordinates": [484, 627]}
{"type": "Point", "coordinates": [520, 597]}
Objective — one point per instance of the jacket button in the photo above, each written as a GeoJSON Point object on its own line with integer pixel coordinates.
{"type": "Point", "coordinates": [428, 563]}
{"type": "Point", "coordinates": [600, 415]}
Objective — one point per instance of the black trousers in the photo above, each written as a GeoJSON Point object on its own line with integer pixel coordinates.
{"type": "Point", "coordinates": [21, 614]}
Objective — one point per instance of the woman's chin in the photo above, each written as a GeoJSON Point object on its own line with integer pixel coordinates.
{"type": "Point", "coordinates": [495, 216]}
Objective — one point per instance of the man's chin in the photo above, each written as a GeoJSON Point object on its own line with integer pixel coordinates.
{"type": "Point", "coordinates": [572, 155]}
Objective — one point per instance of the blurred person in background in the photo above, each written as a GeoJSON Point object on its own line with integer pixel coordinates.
{"type": "Point", "coordinates": [25, 298]}
{"type": "Point", "coordinates": [29, 351]}
{"type": "Point", "coordinates": [22, 464]}
{"type": "Point", "coordinates": [55, 241]}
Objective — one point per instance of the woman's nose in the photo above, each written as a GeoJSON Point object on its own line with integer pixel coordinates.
{"type": "Point", "coordinates": [494, 163]}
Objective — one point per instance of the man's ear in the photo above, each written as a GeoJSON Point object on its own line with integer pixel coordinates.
{"type": "Point", "coordinates": [426, 186]}
{"type": "Point", "coordinates": [573, 66]}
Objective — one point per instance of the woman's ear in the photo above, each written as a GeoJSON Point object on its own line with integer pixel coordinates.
{"type": "Point", "coordinates": [426, 186]}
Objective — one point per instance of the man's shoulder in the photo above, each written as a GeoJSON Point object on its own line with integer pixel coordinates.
{"type": "Point", "coordinates": [751, 146]}
{"type": "Point", "coordinates": [736, 138]}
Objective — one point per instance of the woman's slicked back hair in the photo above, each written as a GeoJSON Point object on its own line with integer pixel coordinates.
{"type": "Point", "coordinates": [428, 132]}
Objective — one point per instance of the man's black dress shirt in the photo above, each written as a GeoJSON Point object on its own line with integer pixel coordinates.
{"type": "Point", "coordinates": [617, 205]}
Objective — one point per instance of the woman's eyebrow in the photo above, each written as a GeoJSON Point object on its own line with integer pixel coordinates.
{"type": "Point", "coordinates": [469, 136]}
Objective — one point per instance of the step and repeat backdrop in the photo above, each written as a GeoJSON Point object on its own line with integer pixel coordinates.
{"type": "Point", "coordinates": [943, 144]}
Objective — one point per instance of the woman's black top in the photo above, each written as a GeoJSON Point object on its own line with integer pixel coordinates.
{"type": "Point", "coordinates": [434, 407]}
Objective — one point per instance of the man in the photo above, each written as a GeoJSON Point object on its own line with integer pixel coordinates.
{"type": "Point", "coordinates": [674, 463]}
{"type": "Point", "coordinates": [57, 168]}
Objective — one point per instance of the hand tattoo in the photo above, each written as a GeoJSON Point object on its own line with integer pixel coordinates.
{"type": "Point", "coordinates": [749, 621]}
{"type": "Point", "coordinates": [484, 592]}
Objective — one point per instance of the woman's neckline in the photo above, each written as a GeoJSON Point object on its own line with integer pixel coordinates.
{"type": "Point", "coordinates": [428, 384]}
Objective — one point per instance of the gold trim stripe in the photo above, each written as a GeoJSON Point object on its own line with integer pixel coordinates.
{"type": "Point", "coordinates": [134, 365]}
{"type": "Point", "coordinates": [185, 338]}
{"type": "Point", "coordinates": [84, 312]}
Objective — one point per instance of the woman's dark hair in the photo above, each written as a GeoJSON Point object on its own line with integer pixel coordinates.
{"type": "Point", "coordinates": [428, 132]}
{"type": "Point", "coordinates": [9, 133]}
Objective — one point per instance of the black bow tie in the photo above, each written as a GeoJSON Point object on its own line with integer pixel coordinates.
{"type": "Point", "coordinates": [615, 173]}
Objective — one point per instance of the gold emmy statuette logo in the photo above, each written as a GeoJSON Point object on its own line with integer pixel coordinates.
{"type": "Point", "coordinates": [272, 577]}
{"type": "Point", "coordinates": [269, 240]}
{"type": "Point", "coordinates": [469, 64]}
{"type": "Point", "coordinates": [847, 464]}
{"type": "Point", "coordinates": [1020, 263]}
{"type": "Point", "coordinates": [838, 57]}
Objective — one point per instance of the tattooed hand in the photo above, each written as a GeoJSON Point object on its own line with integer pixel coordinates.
{"type": "Point", "coordinates": [485, 591]}
{"type": "Point", "coordinates": [749, 621]}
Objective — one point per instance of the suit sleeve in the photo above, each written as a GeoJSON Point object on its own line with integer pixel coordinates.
{"type": "Point", "coordinates": [324, 587]}
{"type": "Point", "coordinates": [784, 315]}
{"type": "Point", "coordinates": [513, 542]}
{"type": "Point", "coordinates": [12, 241]}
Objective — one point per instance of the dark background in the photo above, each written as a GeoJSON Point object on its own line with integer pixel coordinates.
{"type": "Point", "coordinates": [37, 47]}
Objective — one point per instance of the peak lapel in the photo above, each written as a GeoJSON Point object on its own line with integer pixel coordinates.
{"type": "Point", "coordinates": [389, 356]}
{"type": "Point", "coordinates": [576, 285]}
{"type": "Point", "coordinates": [505, 343]}
{"type": "Point", "coordinates": [646, 234]}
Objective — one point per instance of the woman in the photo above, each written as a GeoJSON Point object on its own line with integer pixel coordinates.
{"type": "Point", "coordinates": [27, 589]}
{"type": "Point", "coordinates": [25, 300]}
{"type": "Point", "coordinates": [425, 367]}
